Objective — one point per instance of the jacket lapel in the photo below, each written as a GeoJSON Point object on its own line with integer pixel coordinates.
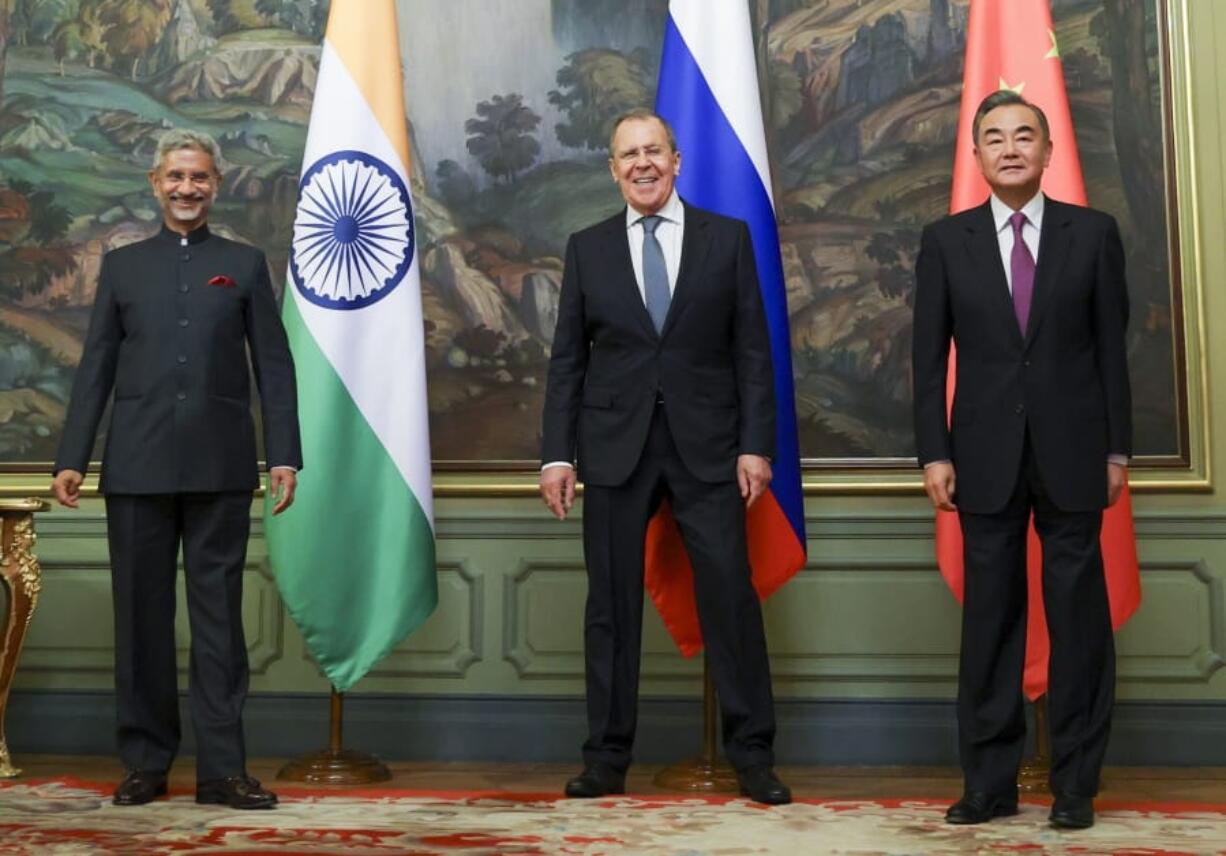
{"type": "Point", "coordinates": [694, 247]}
{"type": "Point", "coordinates": [1055, 238]}
{"type": "Point", "coordinates": [984, 248]}
{"type": "Point", "coordinates": [621, 272]}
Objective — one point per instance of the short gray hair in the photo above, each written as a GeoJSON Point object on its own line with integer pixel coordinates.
{"type": "Point", "coordinates": [181, 138]}
{"type": "Point", "coordinates": [642, 114]}
{"type": "Point", "coordinates": [1000, 98]}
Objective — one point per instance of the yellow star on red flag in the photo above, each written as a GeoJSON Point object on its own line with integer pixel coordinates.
{"type": "Point", "coordinates": [1054, 53]}
{"type": "Point", "coordinates": [1004, 84]}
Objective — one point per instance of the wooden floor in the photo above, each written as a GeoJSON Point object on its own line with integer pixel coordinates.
{"type": "Point", "coordinates": [1171, 784]}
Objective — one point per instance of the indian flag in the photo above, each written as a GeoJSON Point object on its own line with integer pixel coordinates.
{"type": "Point", "coordinates": [354, 554]}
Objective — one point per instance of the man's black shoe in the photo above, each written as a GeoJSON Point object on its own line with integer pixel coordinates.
{"type": "Point", "coordinates": [760, 784]}
{"type": "Point", "coordinates": [242, 792]}
{"type": "Point", "coordinates": [1072, 812]}
{"type": "Point", "coordinates": [978, 807]}
{"type": "Point", "coordinates": [596, 780]}
{"type": "Point", "coordinates": [139, 787]}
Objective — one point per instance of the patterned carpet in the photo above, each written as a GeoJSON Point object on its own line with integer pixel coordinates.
{"type": "Point", "coordinates": [68, 816]}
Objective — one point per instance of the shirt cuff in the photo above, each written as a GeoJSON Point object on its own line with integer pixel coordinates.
{"type": "Point", "coordinates": [934, 463]}
{"type": "Point", "coordinates": [1122, 460]}
{"type": "Point", "coordinates": [553, 464]}
{"type": "Point", "coordinates": [283, 467]}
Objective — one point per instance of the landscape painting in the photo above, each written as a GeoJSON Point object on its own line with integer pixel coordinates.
{"type": "Point", "coordinates": [510, 104]}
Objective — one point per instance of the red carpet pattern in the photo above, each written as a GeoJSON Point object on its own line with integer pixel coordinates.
{"type": "Point", "coordinates": [66, 816]}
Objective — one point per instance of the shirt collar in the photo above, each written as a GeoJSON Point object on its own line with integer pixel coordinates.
{"type": "Point", "coordinates": [1032, 209]}
{"type": "Point", "coordinates": [673, 211]}
{"type": "Point", "coordinates": [195, 236]}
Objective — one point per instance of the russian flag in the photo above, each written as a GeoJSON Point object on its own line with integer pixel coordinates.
{"type": "Point", "coordinates": [708, 92]}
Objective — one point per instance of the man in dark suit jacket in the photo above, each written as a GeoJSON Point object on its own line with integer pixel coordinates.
{"type": "Point", "coordinates": [1032, 293]}
{"type": "Point", "coordinates": [173, 320]}
{"type": "Point", "coordinates": [660, 386]}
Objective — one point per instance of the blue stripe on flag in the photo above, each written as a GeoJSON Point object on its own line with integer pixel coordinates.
{"type": "Point", "coordinates": [718, 174]}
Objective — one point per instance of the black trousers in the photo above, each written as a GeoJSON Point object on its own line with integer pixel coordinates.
{"type": "Point", "coordinates": [711, 518]}
{"type": "Point", "coordinates": [1081, 670]}
{"type": "Point", "coordinates": [144, 533]}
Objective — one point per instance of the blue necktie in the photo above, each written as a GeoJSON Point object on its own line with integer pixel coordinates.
{"type": "Point", "coordinates": [655, 273]}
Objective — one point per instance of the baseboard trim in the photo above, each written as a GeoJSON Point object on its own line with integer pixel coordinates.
{"type": "Point", "coordinates": [545, 729]}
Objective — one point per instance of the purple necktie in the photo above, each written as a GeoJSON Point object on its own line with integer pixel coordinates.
{"type": "Point", "coordinates": [1021, 266]}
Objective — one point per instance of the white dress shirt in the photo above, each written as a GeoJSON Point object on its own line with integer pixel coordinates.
{"type": "Point", "coordinates": [1030, 231]}
{"type": "Point", "coordinates": [669, 232]}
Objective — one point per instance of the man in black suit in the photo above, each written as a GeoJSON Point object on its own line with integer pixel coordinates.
{"type": "Point", "coordinates": [660, 386]}
{"type": "Point", "coordinates": [173, 320]}
{"type": "Point", "coordinates": [1032, 293]}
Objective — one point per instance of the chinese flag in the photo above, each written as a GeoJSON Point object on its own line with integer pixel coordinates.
{"type": "Point", "coordinates": [1010, 44]}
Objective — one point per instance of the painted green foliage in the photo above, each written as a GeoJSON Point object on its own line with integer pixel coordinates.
{"type": "Point", "coordinates": [860, 100]}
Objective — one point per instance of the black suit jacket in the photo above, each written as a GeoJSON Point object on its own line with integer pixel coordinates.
{"type": "Point", "coordinates": [1065, 381]}
{"type": "Point", "coordinates": [711, 362]}
{"type": "Point", "coordinates": [175, 350]}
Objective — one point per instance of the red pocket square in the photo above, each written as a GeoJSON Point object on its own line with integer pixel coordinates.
{"type": "Point", "coordinates": [223, 280]}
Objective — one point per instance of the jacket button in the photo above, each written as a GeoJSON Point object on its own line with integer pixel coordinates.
{"type": "Point", "coordinates": [182, 359]}
{"type": "Point", "coordinates": [182, 322]}
{"type": "Point", "coordinates": [1020, 409]}
{"type": "Point", "coordinates": [182, 396]}
{"type": "Point", "coordinates": [183, 288]}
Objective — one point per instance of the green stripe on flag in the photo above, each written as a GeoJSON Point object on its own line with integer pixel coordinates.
{"type": "Point", "coordinates": [354, 554]}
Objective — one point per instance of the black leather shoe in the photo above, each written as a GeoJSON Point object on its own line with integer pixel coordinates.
{"type": "Point", "coordinates": [242, 792]}
{"type": "Point", "coordinates": [596, 780]}
{"type": "Point", "coordinates": [1072, 812]}
{"type": "Point", "coordinates": [978, 807]}
{"type": "Point", "coordinates": [760, 784]}
{"type": "Point", "coordinates": [139, 787]}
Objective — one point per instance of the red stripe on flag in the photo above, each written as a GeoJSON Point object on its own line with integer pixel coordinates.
{"type": "Point", "coordinates": [774, 555]}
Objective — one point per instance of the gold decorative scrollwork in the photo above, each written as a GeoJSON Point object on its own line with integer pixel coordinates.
{"type": "Point", "coordinates": [29, 572]}
{"type": "Point", "coordinates": [7, 770]}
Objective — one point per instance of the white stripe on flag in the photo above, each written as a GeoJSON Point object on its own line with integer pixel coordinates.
{"type": "Point", "coordinates": [722, 47]}
{"type": "Point", "coordinates": [378, 351]}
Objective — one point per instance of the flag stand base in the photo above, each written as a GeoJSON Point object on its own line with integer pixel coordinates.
{"type": "Point", "coordinates": [1034, 775]}
{"type": "Point", "coordinates": [335, 765]}
{"type": "Point", "coordinates": [708, 773]}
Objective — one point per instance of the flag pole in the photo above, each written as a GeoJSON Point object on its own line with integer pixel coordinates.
{"type": "Point", "coordinates": [335, 765]}
{"type": "Point", "coordinates": [708, 773]}
{"type": "Point", "coordinates": [1035, 773]}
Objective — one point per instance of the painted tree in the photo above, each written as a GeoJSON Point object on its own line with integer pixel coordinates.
{"type": "Point", "coordinates": [133, 28]}
{"type": "Point", "coordinates": [6, 16]}
{"type": "Point", "coordinates": [306, 17]}
{"type": "Point", "coordinates": [224, 19]}
{"type": "Point", "coordinates": [594, 87]}
{"type": "Point", "coordinates": [455, 185]}
{"type": "Point", "coordinates": [500, 136]}
{"type": "Point", "coordinates": [79, 38]}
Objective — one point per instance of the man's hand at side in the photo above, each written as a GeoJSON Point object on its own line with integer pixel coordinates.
{"type": "Point", "coordinates": [939, 482]}
{"type": "Point", "coordinates": [282, 482]}
{"type": "Point", "coordinates": [753, 474]}
{"type": "Point", "coordinates": [1117, 477]}
{"type": "Point", "coordinates": [558, 489]}
{"type": "Point", "coordinates": [67, 487]}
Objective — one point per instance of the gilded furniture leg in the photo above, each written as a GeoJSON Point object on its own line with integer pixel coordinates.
{"type": "Point", "coordinates": [22, 581]}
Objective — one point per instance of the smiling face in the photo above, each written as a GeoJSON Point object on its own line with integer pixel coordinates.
{"type": "Point", "coordinates": [185, 184]}
{"type": "Point", "coordinates": [1012, 152]}
{"type": "Point", "coordinates": [644, 164]}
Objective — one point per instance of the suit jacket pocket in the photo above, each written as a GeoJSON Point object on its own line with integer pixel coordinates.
{"type": "Point", "coordinates": [599, 398]}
